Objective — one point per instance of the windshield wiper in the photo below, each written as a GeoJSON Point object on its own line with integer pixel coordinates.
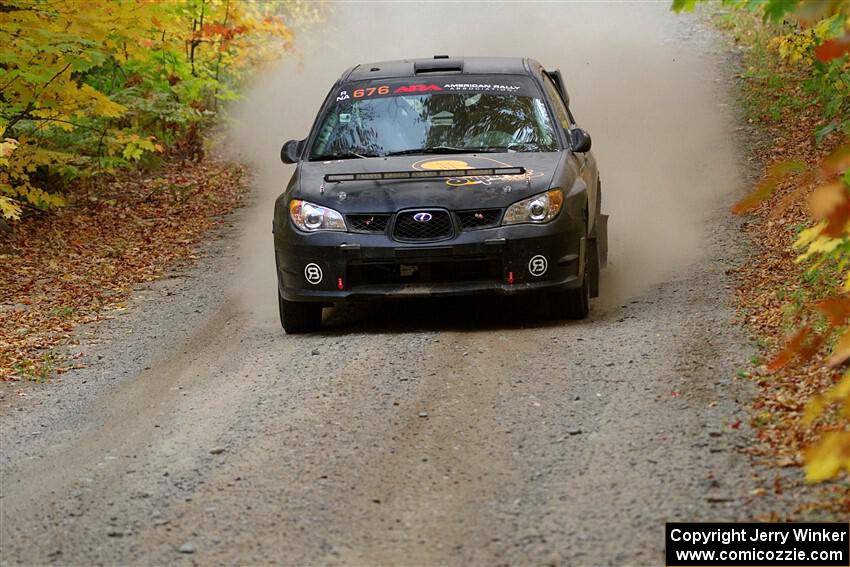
{"type": "Point", "coordinates": [443, 150]}
{"type": "Point", "coordinates": [342, 155]}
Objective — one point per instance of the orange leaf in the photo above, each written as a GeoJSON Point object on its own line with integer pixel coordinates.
{"type": "Point", "coordinates": [832, 49]}
{"type": "Point", "coordinates": [825, 199]}
{"type": "Point", "coordinates": [838, 161]}
{"type": "Point", "coordinates": [794, 346]}
{"type": "Point", "coordinates": [767, 186]}
{"type": "Point", "coordinates": [836, 309]}
{"type": "Point", "coordinates": [837, 221]}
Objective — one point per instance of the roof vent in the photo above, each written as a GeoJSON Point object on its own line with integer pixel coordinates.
{"type": "Point", "coordinates": [440, 65]}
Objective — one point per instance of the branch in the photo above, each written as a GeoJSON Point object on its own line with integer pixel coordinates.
{"type": "Point", "coordinates": [24, 115]}
{"type": "Point", "coordinates": [20, 116]}
{"type": "Point", "coordinates": [65, 68]}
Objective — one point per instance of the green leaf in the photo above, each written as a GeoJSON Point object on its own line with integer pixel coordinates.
{"type": "Point", "coordinates": [686, 5]}
{"type": "Point", "coordinates": [775, 10]}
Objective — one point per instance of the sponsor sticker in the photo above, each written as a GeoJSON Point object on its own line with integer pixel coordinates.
{"type": "Point", "coordinates": [482, 87]}
{"type": "Point", "coordinates": [432, 164]}
{"type": "Point", "coordinates": [313, 273]}
{"type": "Point", "coordinates": [538, 265]}
{"type": "Point", "coordinates": [417, 88]}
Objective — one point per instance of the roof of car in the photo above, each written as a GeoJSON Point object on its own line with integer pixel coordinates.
{"type": "Point", "coordinates": [439, 65]}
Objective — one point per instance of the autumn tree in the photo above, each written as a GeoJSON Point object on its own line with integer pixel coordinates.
{"type": "Point", "coordinates": [88, 87]}
{"type": "Point", "coordinates": [816, 38]}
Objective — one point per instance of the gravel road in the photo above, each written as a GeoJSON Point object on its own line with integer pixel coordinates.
{"type": "Point", "coordinates": [420, 433]}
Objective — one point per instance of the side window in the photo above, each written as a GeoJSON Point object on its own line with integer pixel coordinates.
{"type": "Point", "coordinates": [557, 102]}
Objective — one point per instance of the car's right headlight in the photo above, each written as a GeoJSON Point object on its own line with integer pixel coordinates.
{"type": "Point", "coordinates": [313, 218]}
{"type": "Point", "coordinates": [539, 209]}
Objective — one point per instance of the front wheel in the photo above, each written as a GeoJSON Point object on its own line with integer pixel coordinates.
{"type": "Point", "coordinates": [299, 317]}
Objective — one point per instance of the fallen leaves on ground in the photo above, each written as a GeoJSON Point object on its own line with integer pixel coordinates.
{"type": "Point", "coordinates": [76, 264]}
{"type": "Point", "coordinates": [770, 295]}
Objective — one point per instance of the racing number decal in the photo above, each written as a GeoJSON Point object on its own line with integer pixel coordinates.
{"type": "Point", "coordinates": [313, 273]}
{"type": "Point", "coordinates": [538, 265]}
{"type": "Point", "coordinates": [360, 93]}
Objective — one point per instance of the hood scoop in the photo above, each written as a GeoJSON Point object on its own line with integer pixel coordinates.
{"type": "Point", "coordinates": [423, 174]}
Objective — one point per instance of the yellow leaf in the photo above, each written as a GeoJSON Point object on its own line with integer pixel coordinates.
{"type": "Point", "coordinates": [814, 409]}
{"type": "Point", "coordinates": [840, 391]}
{"type": "Point", "coordinates": [9, 208]}
{"type": "Point", "coordinates": [809, 235]}
{"type": "Point", "coordinates": [7, 147]}
{"type": "Point", "coordinates": [828, 457]}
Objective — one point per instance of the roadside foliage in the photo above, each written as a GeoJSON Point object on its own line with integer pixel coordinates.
{"type": "Point", "coordinates": [90, 87]}
{"type": "Point", "coordinates": [811, 40]}
{"type": "Point", "coordinates": [105, 109]}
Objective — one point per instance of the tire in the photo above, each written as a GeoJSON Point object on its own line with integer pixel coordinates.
{"type": "Point", "coordinates": [573, 303]}
{"type": "Point", "coordinates": [299, 317]}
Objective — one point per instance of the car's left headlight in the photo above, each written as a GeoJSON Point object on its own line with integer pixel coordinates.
{"type": "Point", "coordinates": [313, 218]}
{"type": "Point", "coordinates": [539, 209]}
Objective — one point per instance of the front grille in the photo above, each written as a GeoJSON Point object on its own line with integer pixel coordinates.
{"type": "Point", "coordinates": [368, 223]}
{"type": "Point", "coordinates": [483, 218]}
{"type": "Point", "coordinates": [433, 225]}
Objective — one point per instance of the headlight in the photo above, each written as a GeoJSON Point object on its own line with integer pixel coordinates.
{"type": "Point", "coordinates": [312, 218]}
{"type": "Point", "coordinates": [537, 210]}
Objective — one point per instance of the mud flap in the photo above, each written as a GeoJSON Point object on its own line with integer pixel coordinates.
{"type": "Point", "coordinates": [602, 240]}
{"type": "Point", "coordinates": [593, 265]}
{"type": "Point", "coordinates": [598, 250]}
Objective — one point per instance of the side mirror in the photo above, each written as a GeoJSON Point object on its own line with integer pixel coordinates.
{"type": "Point", "coordinates": [579, 140]}
{"type": "Point", "coordinates": [291, 151]}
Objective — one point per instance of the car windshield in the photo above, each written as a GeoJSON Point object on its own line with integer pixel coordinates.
{"type": "Point", "coordinates": [385, 120]}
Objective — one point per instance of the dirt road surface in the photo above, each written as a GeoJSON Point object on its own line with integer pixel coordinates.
{"type": "Point", "coordinates": [421, 433]}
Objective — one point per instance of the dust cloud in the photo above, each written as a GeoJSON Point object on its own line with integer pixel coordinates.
{"type": "Point", "coordinates": [640, 81]}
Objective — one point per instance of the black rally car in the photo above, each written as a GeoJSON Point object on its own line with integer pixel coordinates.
{"type": "Point", "coordinates": [443, 176]}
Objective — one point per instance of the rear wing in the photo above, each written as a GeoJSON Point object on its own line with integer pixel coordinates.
{"type": "Point", "coordinates": [422, 174]}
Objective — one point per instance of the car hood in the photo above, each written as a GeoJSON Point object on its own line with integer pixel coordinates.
{"type": "Point", "coordinates": [390, 195]}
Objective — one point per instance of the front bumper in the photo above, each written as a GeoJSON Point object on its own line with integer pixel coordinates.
{"type": "Point", "coordinates": [330, 267]}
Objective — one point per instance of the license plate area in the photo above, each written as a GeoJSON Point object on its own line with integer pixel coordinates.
{"type": "Point", "coordinates": [408, 270]}
{"type": "Point", "coordinates": [424, 271]}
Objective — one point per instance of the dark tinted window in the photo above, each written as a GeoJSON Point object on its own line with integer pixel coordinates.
{"type": "Point", "coordinates": [479, 115]}
{"type": "Point", "coordinates": [557, 102]}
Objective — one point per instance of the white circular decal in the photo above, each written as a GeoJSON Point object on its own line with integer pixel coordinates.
{"type": "Point", "coordinates": [538, 265]}
{"type": "Point", "coordinates": [313, 273]}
